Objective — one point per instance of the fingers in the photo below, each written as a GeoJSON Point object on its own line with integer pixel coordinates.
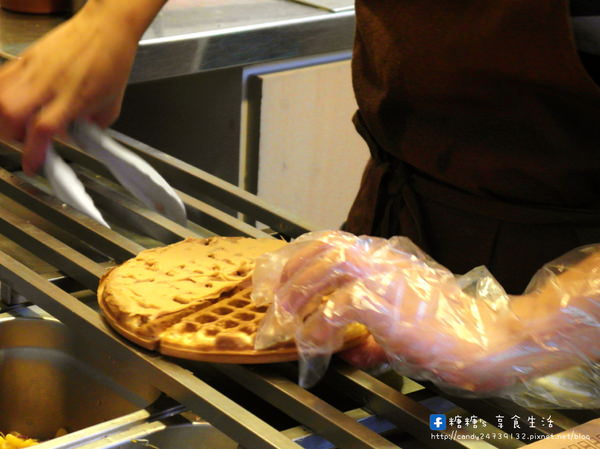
{"type": "Point", "coordinates": [29, 113]}
{"type": "Point", "coordinates": [304, 290]}
{"type": "Point", "coordinates": [49, 122]}
{"type": "Point", "coordinates": [316, 270]}
{"type": "Point", "coordinates": [367, 355]}
{"type": "Point", "coordinates": [19, 101]}
{"type": "Point", "coordinates": [302, 255]}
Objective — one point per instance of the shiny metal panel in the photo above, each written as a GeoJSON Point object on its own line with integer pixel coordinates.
{"type": "Point", "coordinates": [218, 221]}
{"type": "Point", "coordinates": [291, 38]}
{"type": "Point", "coordinates": [196, 185]}
{"type": "Point", "coordinates": [196, 435]}
{"type": "Point", "coordinates": [132, 425]}
{"type": "Point", "coordinates": [199, 211]}
{"type": "Point", "coordinates": [50, 380]}
{"type": "Point", "coordinates": [119, 204]}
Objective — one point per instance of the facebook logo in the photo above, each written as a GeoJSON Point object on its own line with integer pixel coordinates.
{"type": "Point", "coordinates": [437, 422]}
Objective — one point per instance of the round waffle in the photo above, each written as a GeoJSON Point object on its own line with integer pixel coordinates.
{"type": "Point", "coordinates": [192, 300]}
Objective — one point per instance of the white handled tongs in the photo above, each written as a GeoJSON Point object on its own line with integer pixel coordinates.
{"type": "Point", "coordinates": [134, 173]}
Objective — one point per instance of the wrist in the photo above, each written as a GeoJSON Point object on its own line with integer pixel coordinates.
{"type": "Point", "coordinates": [132, 17]}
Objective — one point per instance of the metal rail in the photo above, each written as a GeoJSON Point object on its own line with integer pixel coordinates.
{"type": "Point", "coordinates": [48, 207]}
{"type": "Point", "coordinates": [307, 408]}
{"type": "Point", "coordinates": [409, 415]}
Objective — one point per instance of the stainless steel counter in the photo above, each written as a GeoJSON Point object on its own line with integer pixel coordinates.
{"type": "Point", "coordinates": [191, 36]}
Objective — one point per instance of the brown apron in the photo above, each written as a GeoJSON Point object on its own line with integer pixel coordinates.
{"type": "Point", "coordinates": [484, 132]}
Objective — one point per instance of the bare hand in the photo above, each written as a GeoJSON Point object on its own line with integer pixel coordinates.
{"type": "Point", "coordinates": [78, 70]}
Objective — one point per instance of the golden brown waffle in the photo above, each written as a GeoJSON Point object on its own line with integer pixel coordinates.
{"type": "Point", "coordinates": [192, 300]}
{"type": "Point", "coordinates": [224, 332]}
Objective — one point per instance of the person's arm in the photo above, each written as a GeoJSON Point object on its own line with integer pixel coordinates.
{"type": "Point", "coordinates": [577, 285]}
{"type": "Point", "coordinates": [416, 310]}
{"type": "Point", "coordinates": [555, 326]}
{"type": "Point", "coordinates": [78, 70]}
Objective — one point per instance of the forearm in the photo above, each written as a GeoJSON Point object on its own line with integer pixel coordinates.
{"type": "Point", "coordinates": [554, 327]}
{"type": "Point", "coordinates": [574, 286]}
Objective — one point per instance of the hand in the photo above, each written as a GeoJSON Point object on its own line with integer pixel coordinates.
{"type": "Point", "coordinates": [326, 280]}
{"type": "Point", "coordinates": [415, 309]}
{"type": "Point", "coordinates": [78, 70]}
{"type": "Point", "coordinates": [412, 306]}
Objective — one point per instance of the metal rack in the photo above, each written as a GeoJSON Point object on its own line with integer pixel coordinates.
{"type": "Point", "coordinates": [257, 406]}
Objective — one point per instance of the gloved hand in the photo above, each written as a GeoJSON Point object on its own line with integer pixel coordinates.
{"type": "Point", "coordinates": [464, 333]}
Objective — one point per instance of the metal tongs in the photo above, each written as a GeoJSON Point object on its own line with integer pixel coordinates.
{"type": "Point", "coordinates": [134, 173]}
{"type": "Point", "coordinates": [118, 432]}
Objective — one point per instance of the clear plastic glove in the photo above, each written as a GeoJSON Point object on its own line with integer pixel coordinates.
{"type": "Point", "coordinates": [78, 70]}
{"type": "Point", "coordinates": [463, 333]}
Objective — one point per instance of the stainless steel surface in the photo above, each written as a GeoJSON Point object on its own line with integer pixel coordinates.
{"type": "Point", "coordinates": [27, 217]}
{"type": "Point", "coordinates": [179, 383]}
{"type": "Point", "coordinates": [53, 210]}
{"type": "Point", "coordinates": [204, 185]}
{"type": "Point", "coordinates": [50, 380]}
{"type": "Point", "coordinates": [197, 187]}
{"type": "Point", "coordinates": [74, 263]}
{"type": "Point", "coordinates": [185, 39]}
{"type": "Point", "coordinates": [188, 36]}
{"type": "Point", "coordinates": [122, 207]}
{"type": "Point", "coordinates": [126, 211]}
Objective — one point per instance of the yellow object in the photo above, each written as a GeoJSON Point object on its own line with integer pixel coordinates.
{"type": "Point", "coordinates": [60, 432]}
{"type": "Point", "coordinates": [11, 441]}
